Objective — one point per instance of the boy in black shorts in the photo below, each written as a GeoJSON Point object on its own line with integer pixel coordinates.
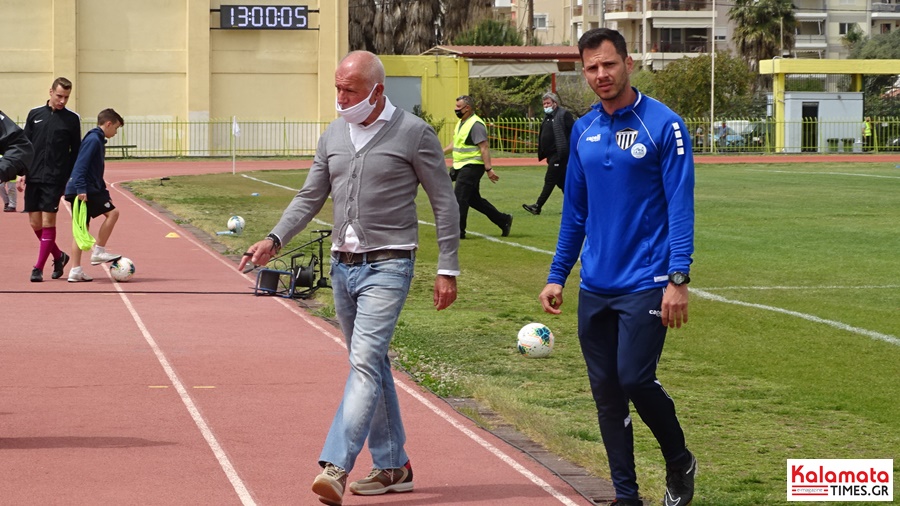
{"type": "Point", "coordinates": [87, 184]}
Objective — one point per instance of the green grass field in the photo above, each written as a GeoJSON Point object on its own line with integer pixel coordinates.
{"type": "Point", "coordinates": [792, 349]}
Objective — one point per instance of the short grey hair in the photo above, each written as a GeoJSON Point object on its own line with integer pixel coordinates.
{"type": "Point", "coordinates": [468, 100]}
{"type": "Point", "coordinates": [552, 96]}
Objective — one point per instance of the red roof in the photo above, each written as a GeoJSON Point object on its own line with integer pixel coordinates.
{"type": "Point", "coordinates": [559, 53]}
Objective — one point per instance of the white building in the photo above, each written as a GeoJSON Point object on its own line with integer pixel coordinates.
{"type": "Point", "coordinates": [659, 31]}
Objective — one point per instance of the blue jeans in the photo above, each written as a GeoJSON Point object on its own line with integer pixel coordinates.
{"type": "Point", "coordinates": [368, 299]}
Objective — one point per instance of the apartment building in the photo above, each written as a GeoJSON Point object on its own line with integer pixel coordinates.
{"type": "Point", "coordinates": [659, 31]}
{"type": "Point", "coordinates": [551, 26]}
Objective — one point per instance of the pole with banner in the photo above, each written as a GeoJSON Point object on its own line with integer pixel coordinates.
{"type": "Point", "coordinates": [235, 133]}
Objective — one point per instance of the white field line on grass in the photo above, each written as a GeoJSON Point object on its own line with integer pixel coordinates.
{"type": "Point", "coordinates": [483, 236]}
{"type": "Point", "coordinates": [707, 295]}
{"type": "Point", "coordinates": [792, 172]}
{"type": "Point", "coordinates": [815, 319]}
{"type": "Point", "coordinates": [801, 288]}
{"type": "Point", "coordinates": [229, 470]}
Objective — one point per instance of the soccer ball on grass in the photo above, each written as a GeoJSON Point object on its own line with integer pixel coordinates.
{"type": "Point", "coordinates": [236, 224]}
{"type": "Point", "coordinates": [535, 340]}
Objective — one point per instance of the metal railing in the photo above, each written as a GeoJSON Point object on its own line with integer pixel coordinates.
{"type": "Point", "coordinates": [508, 135]}
{"type": "Point", "coordinates": [811, 135]}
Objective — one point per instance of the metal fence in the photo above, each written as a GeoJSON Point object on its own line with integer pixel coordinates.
{"type": "Point", "coordinates": [810, 135]}
{"type": "Point", "coordinates": [508, 135]}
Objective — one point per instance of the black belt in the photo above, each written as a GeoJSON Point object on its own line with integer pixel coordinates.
{"type": "Point", "coordinates": [370, 257]}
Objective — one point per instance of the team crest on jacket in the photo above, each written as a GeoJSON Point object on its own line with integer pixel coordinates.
{"type": "Point", "coordinates": [626, 137]}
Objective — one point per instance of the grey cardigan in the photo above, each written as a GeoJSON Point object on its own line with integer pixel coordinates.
{"type": "Point", "coordinates": [374, 190]}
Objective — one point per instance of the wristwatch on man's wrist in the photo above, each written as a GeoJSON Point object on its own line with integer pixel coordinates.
{"type": "Point", "coordinates": [679, 278]}
{"type": "Point", "coordinates": [276, 241]}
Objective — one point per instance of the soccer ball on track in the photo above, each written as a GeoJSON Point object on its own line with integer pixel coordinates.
{"type": "Point", "coordinates": [236, 224]}
{"type": "Point", "coordinates": [535, 340]}
{"type": "Point", "coordinates": [122, 269]}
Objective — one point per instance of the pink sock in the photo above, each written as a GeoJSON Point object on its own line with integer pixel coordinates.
{"type": "Point", "coordinates": [48, 245]}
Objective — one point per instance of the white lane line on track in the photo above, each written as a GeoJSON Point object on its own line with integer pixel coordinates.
{"type": "Point", "coordinates": [230, 472]}
{"type": "Point", "coordinates": [334, 337]}
{"type": "Point", "coordinates": [707, 295]}
{"type": "Point", "coordinates": [224, 462]}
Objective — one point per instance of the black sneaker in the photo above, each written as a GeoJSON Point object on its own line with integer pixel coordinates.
{"type": "Point", "coordinates": [36, 275]}
{"type": "Point", "coordinates": [532, 208]}
{"type": "Point", "coordinates": [680, 484]}
{"type": "Point", "coordinates": [59, 264]}
{"type": "Point", "coordinates": [504, 230]}
{"type": "Point", "coordinates": [8, 209]}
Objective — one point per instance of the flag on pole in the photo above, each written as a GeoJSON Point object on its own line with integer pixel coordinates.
{"type": "Point", "coordinates": [235, 128]}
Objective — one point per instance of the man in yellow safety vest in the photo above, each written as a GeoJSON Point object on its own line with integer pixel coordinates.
{"type": "Point", "coordinates": [471, 160]}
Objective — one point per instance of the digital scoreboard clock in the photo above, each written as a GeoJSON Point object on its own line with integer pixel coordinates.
{"type": "Point", "coordinates": [264, 17]}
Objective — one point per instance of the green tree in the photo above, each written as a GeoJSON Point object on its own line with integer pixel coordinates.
{"type": "Point", "coordinates": [508, 96]}
{"type": "Point", "coordinates": [880, 47]}
{"type": "Point", "coordinates": [684, 85]}
{"type": "Point", "coordinates": [490, 33]}
{"type": "Point", "coordinates": [575, 94]}
{"type": "Point", "coordinates": [762, 28]}
{"type": "Point", "coordinates": [495, 97]}
{"type": "Point", "coordinates": [854, 37]}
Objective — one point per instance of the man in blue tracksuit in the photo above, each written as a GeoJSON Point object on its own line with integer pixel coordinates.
{"type": "Point", "coordinates": [629, 212]}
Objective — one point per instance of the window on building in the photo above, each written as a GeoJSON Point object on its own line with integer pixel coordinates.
{"type": "Point", "coordinates": [885, 28]}
{"type": "Point", "coordinates": [844, 28]}
{"type": "Point", "coordinates": [540, 21]}
{"type": "Point", "coordinates": [721, 34]}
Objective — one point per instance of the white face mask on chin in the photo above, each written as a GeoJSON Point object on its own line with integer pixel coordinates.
{"type": "Point", "coordinates": [357, 113]}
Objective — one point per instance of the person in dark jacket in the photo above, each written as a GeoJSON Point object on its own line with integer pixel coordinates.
{"type": "Point", "coordinates": [55, 133]}
{"type": "Point", "coordinates": [553, 146]}
{"type": "Point", "coordinates": [16, 151]}
{"type": "Point", "coordinates": [87, 185]}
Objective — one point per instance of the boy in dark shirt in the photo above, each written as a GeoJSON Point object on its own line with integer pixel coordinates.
{"type": "Point", "coordinates": [87, 185]}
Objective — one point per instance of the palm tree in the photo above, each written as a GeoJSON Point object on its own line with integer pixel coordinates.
{"type": "Point", "coordinates": [362, 25]}
{"type": "Point", "coordinates": [461, 15]}
{"type": "Point", "coordinates": [411, 26]}
{"type": "Point", "coordinates": [762, 28]}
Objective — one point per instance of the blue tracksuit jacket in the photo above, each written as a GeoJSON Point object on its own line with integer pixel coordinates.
{"type": "Point", "coordinates": [629, 199]}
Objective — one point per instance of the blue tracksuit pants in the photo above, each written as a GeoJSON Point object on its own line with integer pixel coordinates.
{"type": "Point", "coordinates": [622, 339]}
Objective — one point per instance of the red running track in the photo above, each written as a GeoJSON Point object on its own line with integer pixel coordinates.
{"type": "Point", "coordinates": [200, 393]}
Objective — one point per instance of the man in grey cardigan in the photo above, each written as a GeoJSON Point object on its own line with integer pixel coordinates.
{"type": "Point", "coordinates": [371, 161]}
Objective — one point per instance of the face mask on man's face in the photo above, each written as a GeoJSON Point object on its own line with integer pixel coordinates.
{"type": "Point", "coordinates": [548, 110]}
{"type": "Point", "coordinates": [357, 113]}
{"type": "Point", "coordinates": [458, 112]}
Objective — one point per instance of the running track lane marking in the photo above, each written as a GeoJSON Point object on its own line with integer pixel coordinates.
{"type": "Point", "coordinates": [224, 462]}
{"type": "Point", "coordinates": [226, 466]}
{"type": "Point", "coordinates": [707, 295]}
